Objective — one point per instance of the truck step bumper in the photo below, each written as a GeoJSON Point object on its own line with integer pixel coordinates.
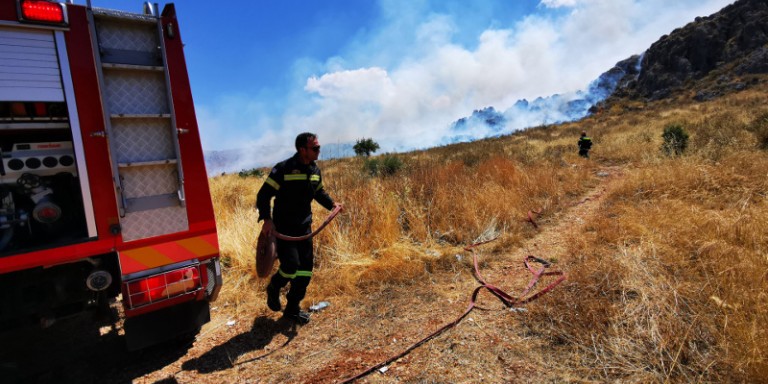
{"type": "Point", "coordinates": [166, 324]}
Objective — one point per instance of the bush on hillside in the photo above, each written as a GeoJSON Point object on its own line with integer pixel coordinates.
{"type": "Point", "coordinates": [255, 172]}
{"type": "Point", "coordinates": [371, 166]}
{"type": "Point", "coordinates": [675, 140]}
{"type": "Point", "coordinates": [386, 166]}
{"type": "Point", "coordinates": [391, 165]}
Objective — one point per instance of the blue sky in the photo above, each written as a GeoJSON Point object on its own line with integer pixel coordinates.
{"type": "Point", "coordinates": [397, 71]}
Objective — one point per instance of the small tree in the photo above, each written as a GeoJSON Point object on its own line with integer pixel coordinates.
{"type": "Point", "coordinates": [365, 147]}
{"type": "Point", "coordinates": [675, 140]}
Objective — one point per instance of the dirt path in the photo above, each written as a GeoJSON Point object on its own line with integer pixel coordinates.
{"type": "Point", "coordinates": [251, 344]}
{"type": "Point", "coordinates": [554, 233]}
{"type": "Point", "coordinates": [550, 242]}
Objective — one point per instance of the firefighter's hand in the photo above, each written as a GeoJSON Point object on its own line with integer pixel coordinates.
{"type": "Point", "coordinates": [338, 205]}
{"type": "Point", "coordinates": [267, 228]}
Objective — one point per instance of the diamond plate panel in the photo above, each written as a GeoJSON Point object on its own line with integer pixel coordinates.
{"type": "Point", "coordinates": [139, 93]}
{"type": "Point", "coordinates": [149, 180]}
{"type": "Point", "coordinates": [128, 36]}
{"type": "Point", "coordinates": [157, 222]}
{"type": "Point", "coordinates": [137, 140]}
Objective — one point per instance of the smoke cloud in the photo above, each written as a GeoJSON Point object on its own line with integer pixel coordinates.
{"type": "Point", "coordinates": [407, 81]}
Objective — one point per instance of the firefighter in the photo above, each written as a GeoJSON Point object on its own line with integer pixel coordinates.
{"type": "Point", "coordinates": [294, 183]}
{"type": "Point", "coordinates": [585, 143]}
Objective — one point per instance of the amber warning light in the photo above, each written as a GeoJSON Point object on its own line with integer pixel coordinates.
{"type": "Point", "coordinates": [42, 11]}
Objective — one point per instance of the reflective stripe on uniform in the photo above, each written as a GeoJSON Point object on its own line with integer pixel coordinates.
{"type": "Point", "coordinates": [273, 183]}
{"type": "Point", "coordinates": [319, 187]}
{"type": "Point", "coordinates": [295, 177]}
{"type": "Point", "coordinates": [314, 178]}
{"type": "Point", "coordinates": [297, 274]}
{"type": "Point", "coordinates": [286, 275]}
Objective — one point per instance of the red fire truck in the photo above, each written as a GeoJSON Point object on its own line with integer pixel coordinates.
{"type": "Point", "coordinates": [103, 190]}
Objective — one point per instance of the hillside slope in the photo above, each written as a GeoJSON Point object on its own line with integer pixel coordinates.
{"type": "Point", "coordinates": [345, 339]}
{"type": "Point", "coordinates": [665, 259]}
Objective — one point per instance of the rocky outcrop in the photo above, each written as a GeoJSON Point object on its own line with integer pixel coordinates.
{"type": "Point", "coordinates": [706, 59]}
{"type": "Point", "coordinates": [737, 36]}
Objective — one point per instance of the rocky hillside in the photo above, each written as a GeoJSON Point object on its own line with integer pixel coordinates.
{"type": "Point", "coordinates": [707, 58]}
{"type": "Point", "coordinates": [724, 48]}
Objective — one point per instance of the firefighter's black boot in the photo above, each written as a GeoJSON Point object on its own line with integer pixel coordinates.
{"type": "Point", "coordinates": [299, 317]}
{"type": "Point", "coordinates": [293, 312]}
{"type": "Point", "coordinates": [273, 298]}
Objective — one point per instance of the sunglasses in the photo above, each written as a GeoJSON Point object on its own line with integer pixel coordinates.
{"type": "Point", "coordinates": [316, 148]}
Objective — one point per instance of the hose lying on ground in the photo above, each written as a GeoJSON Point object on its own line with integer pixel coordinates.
{"type": "Point", "coordinates": [508, 300]}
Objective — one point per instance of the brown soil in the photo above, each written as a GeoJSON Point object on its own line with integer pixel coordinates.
{"type": "Point", "coordinates": [491, 344]}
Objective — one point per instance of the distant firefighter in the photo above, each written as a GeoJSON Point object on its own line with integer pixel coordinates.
{"type": "Point", "coordinates": [585, 143]}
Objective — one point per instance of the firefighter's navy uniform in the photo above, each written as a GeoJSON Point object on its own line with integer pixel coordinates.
{"type": "Point", "coordinates": [293, 185]}
{"type": "Point", "coordinates": [585, 143]}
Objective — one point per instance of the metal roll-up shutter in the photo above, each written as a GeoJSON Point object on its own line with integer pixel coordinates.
{"type": "Point", "coordinates": [29, 67]}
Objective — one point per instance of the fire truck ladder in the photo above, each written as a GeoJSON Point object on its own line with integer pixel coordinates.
{"type": "Point", "coordinates": [140, 122]}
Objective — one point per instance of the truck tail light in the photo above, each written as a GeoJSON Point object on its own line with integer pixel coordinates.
{"type": "Point", "coordinates": [164, 286]}
{"type": "Point", "coordinates": [42, 11]}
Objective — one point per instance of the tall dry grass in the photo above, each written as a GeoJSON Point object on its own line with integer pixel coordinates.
{"type": "Point", "coordinates": [670, 283]}
{"type": "Point", "coordinates": [667, 280]}
{"type": "Point", "coordinates": [430, 207]}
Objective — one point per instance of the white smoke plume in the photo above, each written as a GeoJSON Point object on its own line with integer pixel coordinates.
{"type": "Point", "coordinates": [408, 79]}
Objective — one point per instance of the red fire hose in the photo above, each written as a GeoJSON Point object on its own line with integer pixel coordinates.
{"type": "Point", "coordinates": [266, 252]}
{"type": "Point", "coordinates": [505, 298]}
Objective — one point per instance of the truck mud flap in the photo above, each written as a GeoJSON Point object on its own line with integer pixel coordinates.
{"type": "Point", "coordinates": [166, 324]}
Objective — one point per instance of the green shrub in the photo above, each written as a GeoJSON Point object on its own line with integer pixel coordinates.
{"type": "Point", "coordinates": [391, 165]}
{"type": "Point", "coordinates": [371, 166]}
{"type": "Point", "coordinates": [386, 166]}
{"type": "Point", "coordinates": [675, 140]}
{"type": "Point", "coordinates": [255, 172]}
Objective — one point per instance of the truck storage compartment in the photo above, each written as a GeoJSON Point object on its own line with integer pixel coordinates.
{"type": "Point", "coordinates": [41, 197]}
{"type": "Point", "coordinates": [41, 203]}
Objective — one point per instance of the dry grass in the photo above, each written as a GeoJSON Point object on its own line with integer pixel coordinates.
{"type": "Point", "coordinates": [667, 278]}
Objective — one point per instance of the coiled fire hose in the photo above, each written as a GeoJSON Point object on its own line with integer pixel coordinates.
{"type": "Point", "coordinates": [266, 249]}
